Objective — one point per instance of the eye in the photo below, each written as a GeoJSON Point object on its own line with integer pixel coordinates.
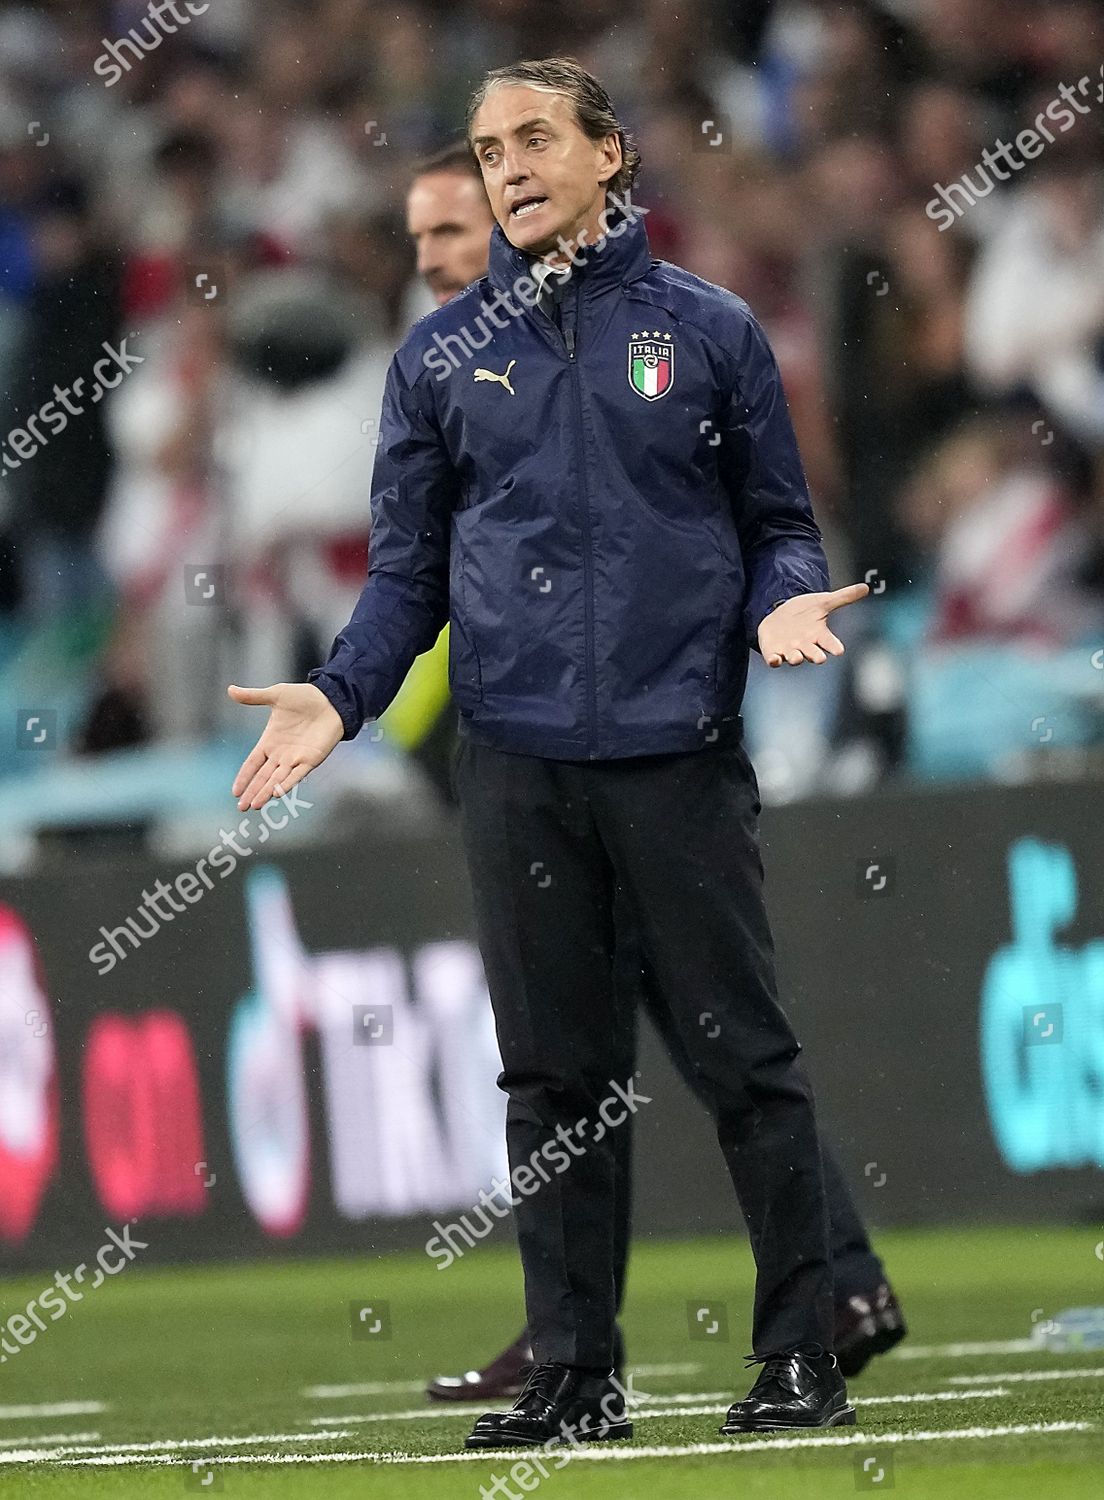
{"type": "Point", "coordinates": [488, 157]}
{"type": "Point", "coordinates": [536, 140]}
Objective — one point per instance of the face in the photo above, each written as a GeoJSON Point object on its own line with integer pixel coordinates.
{"type": "Point", "coordinates": [545, 178]}
{"type": "Point", "coordinates": [449, 220]}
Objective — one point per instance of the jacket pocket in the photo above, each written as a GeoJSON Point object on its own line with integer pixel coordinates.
{"type": "Point", "coordinates": [729, 613]}
{"type": "Point", "coordinates": [464, 673]}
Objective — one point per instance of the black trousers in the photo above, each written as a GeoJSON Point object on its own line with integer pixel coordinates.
{"type": "Point", "coordinates": [856, 1266]}
{"type": "Point", "coordinates": [562, 853]}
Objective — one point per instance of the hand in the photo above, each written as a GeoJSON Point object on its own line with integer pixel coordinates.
{"type": "Point", "coordinates": [796, 631]}
{"type": "Point", "coordinates": [302, 729]}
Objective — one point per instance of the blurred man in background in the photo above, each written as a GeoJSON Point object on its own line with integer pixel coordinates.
{"type": "Point", "coordinates": [449, 220]}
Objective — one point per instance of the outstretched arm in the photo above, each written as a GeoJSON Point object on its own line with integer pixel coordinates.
{"type": "Point", "coordinates": [405, 604]}
{"type": "Point", "coordinates": [400, 613]}
{"type": "Point", "coordinates": [303, 727]}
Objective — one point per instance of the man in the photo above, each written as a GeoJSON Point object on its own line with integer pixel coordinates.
{"type": "Point", "coordinates": [449, 221]}
{"type": "Point", "coordinates": [605, 565]}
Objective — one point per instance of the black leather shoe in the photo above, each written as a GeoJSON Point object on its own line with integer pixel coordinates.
{"type": "Point", "coordinates": [557, 1400]}
{"type": "Point", "coordinates": [505, 1376]}
{"type": "Point", "coordinates": [867, 1325]}
{"type": "Point", "coordinates": [796, 1388]}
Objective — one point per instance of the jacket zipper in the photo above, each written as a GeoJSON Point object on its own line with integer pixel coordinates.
{"type": "Point", "coordinates": [569, 311]}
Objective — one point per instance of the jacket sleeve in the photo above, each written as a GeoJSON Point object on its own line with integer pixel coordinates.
{"type": "Point", "coordinates": [405, 603]}
{"type": "Point", "coordinates": [761, 469]}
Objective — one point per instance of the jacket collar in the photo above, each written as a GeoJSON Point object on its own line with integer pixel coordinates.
{"type": "Point", "coordinates": [620, 256]}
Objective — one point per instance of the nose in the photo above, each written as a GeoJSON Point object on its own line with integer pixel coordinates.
{"type": "Point", "coordinates": [514, 169]}
{"type": "Point", "coordinates": [426, 259]}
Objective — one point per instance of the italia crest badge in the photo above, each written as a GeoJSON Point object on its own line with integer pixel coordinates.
{"type": "Point", "coordinates": [651, 364]}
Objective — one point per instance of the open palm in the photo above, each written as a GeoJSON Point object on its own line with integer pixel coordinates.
{"type": "Point", "coordinates": [303, 727]}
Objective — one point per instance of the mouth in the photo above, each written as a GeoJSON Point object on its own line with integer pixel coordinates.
{"type": "Point", "coordinates": [526, 206]}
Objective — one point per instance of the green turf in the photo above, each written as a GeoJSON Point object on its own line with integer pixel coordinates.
{"type": "Point", "coordinates": [227, 1351]}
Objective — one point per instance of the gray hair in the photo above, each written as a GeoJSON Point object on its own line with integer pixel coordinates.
{"type": "Point", "coordinates": [594, 111]}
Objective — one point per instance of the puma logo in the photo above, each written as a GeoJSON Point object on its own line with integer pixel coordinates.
{"type": "Point", "coordinates": [502, 379]}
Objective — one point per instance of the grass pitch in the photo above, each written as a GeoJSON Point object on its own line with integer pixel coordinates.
{"type": "Point", "coordinates": [247, 1381]}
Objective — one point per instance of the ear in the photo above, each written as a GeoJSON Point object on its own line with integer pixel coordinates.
{"type": "Point", "coordinates": [610, 157]}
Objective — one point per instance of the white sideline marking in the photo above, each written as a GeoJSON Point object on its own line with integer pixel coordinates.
{"type": "Point", "coordinates": [677, 1398]}
{"type": "Point", "coordinates": [864, 1401]}
{"type": "Point", "coordinates": [443, 1410]}
{"type": "Point", "coordinates": [964, 1351]}
{"type": "Point", "coordinates": [383, 1387]}
{"type": "Point", "coordinates": [988, 1391]}
{"type": "Point", "coordinates": [49, 1437]}
{"type": "Point", "coordinates": [53, 1409]}
{"type": "Point", "coordinates": [166, 1446]}
{"type": "Point", "coordinates": [689, 1405]}
{"type": "Point", "coordinates": [364, 1388]}
{"type": "Point", "coordinates": [1021, 1375]}
{"type": "Point", "coordinates": [614, 1452]}
{"type": "Point", "coordinates": [457, 1409]}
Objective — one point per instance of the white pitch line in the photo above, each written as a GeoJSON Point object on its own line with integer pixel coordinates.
{"type": "Point", "coordinates": [614, 1451]}
{"type": "Point", "coordinates": [848, 1438]}
{"type": "Point", "coordinates": [988, 1391]}
{"type": "Point", "coordinates": [442, 1411]}
{"type": "Point", "coordinates": [364, 1388]}
{"type": "Point", "coordinates": [53, 1409]}
{"type": "Point", "coordinates": [1019, 1376]}
{"type": "Point", "coordinates": [164, 1446]}
{"type": "Point", "coordinates": [49, 1437]}
{"type": "Point", "coordinates": [964, 1351]}
{"type": "Point", "coordinates": [863, 1401]}
{"type": "Point", "coordinates": [384, 1387]}
{"type": "Point", "coordinates": [689, 1405]}
{"type": "Point", "coordinates": [460, 1409]}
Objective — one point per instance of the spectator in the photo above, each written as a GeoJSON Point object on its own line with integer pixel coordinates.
{"type": "Point", "coordinates": [71, 315]}
{"type": "Point", "coordinates": [1007, 542]}
{"type": "Point", "coordinates": [1035, 316]}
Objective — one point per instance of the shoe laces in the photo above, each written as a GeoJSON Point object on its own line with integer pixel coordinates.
{"type": "Point", "coordinates": [536, 1385]}
{"type": "Point", "coordinates": [774, 1365]}
{"type": "Point", "coordinates": [778, 1364]}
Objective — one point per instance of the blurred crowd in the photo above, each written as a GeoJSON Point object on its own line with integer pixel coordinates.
{"type": "Point", "coordinates": [225, 190]}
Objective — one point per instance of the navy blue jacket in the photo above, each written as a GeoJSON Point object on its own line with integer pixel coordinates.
{"type": "Point", "coordinates": [605, 512]}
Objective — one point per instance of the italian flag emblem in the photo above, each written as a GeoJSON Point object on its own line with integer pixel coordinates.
{"type": "Point", "coordinates": [651, 364]}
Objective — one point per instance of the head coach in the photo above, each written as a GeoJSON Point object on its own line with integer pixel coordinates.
{"type": "Point", "coordinates": [450, 223]}
{"type": "Point", "coordinates": [586, 465]}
